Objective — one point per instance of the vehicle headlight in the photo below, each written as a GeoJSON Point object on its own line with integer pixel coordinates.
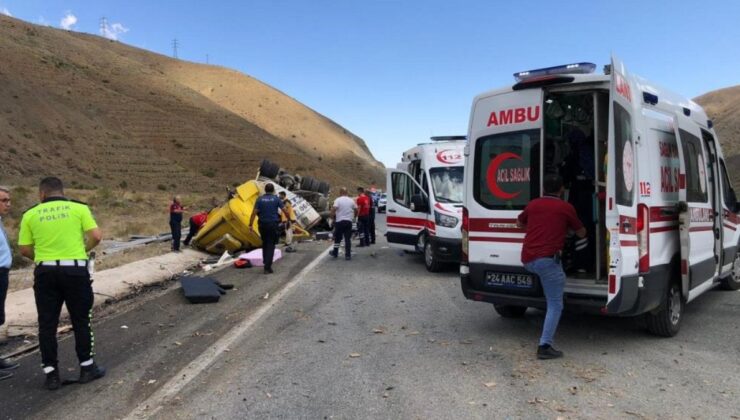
{"type": "Point", "coordinates": [444, 220]}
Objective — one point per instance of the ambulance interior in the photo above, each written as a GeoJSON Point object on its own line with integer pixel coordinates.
{"type": "Point", "coordinates": [575, 147]}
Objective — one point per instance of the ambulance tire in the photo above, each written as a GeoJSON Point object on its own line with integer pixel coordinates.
{"type": "Point", "coordinates": [431, 262]}
{"type": "Point", "coordinates": [667, 320]}
{"type": "Point", "coordinates": [269, 169]}
{"type": "Point", "coordinates": [732, 282]}
{"type": "Point", "coordinates": [510, 311]}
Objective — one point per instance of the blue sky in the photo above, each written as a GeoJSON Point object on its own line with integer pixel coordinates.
{"type": "Point", "coordinates": [395, 72]}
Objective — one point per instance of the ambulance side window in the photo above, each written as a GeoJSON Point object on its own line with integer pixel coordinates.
{"type": "Point", "coordinates": [728, 194]}
{"type": "Point", "coordinates": [624, 158]}
{"type": "Point", "coordinates": [403, 188]}
{"type": "Point", "coordinates": [696, 171]}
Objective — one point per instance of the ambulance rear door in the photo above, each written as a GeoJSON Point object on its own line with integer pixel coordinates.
{"type": "Point", "coordinates": [621, 207]}
{"type": "Point", "coordinates": [505, 135]}
{"type": "Point", "coordinates": [697, 230]}
{"type": "Point", "coordinates": [404, 221]}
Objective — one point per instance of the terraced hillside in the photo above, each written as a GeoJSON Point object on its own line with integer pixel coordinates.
{"type": "Point", "coordinates": [723, 106]}
{"type": "Point", "coordinates": [101, 113]}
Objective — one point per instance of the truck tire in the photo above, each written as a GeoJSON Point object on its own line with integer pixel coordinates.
{"type": "Point", "coordinates": [732, 282]}
{"type": "Point", "coordinates": [510, 311]}
{"type": "Point", "coordinates": [315, 185]}
{"type": "Point", "coordinates": [666, 321]}
{"type": "Point", "coordinates": [431, 262]}
{"type": "Point", "coordinates": [324, 188]}
{"type": "Point", "coordinates": [269, 169]}
{"type": "Point", "coordinates": [306, 183]}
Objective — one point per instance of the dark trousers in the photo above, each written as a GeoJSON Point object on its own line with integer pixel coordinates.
{"type": "Point", "coordinates": [582, 197]}
{"type": "Point", "coordinates": [270, 236]}
{"type": "Point", "coordinates": [3, 292]}
{"type": "Point", "coordinates": [371, 225]}
{"type": "Point", "coordinates": [176, 229]}
{"type": "Point", "coordinates": [343, 229]}
{"type": "Point", "coordinates": [193, 231]}
{"type": "Point", "coordinates": [52, 287]}
{"type": "Point", "coordinates": [363, 229]}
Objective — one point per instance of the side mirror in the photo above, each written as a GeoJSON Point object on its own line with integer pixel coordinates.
{"type": "Point", "coordinates": [419, 204]}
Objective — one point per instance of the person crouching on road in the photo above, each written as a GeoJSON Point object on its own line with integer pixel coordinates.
{"type": "Point", "coordinates": [363, 217]}
{"type": "Point", "coordinates": [287, 222]}
{"type": "Point", "coordinates": [547, 220]}
{"type": "Point", "coordinates": [176, 211]}
{"type": "Point", "coordinates": [57, 234]}
{"type": "Point", "coordinates": [343, 212]}
{"type": "Point", "coordinates": [268, 207]}
{"type": "Point", "coordinates": [6, 261]}
{"type": "Point", "coordinates": [196, 222]}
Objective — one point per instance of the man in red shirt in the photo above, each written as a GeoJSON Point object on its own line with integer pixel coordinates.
{"type": "Point", "coordinates": [363, 217]}
{"type": "Point", "coordinates": [196, 222]}
{"type": "Point", "coordinates": [547, 220]}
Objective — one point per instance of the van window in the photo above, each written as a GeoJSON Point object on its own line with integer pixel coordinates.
{"type": "Point", "coordinates": [447, 184]}
{"type": "Point", "coordinates": [696, 170]}
{"type": "Point", "coordinates": [670, 166]}
{"type": "Point", "coordinates": [403, 188]}
{"type": "Point", "coordinates": [624, 159]}
{"type": "Point", "coordinates": [507, 170]}
{"type": "Point", "coordinates": [728, 193]}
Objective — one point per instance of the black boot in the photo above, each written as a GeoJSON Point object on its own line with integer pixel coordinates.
{"type": "Point", "coordinates": [52, 380]}
{"type": "Point", "coordinates": [548, 352]}
{"type": "Point", "coordinates": [91, 373]}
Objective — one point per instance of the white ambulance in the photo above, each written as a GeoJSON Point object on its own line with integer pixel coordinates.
{"type": "Point", "coordinates": [644, 170]}
{"type": "Point", "coordinates": [424, 202]}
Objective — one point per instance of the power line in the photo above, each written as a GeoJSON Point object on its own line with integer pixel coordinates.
{"type": "Point", "coordinates": [175, 44]}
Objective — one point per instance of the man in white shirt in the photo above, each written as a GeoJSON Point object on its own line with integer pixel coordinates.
{"type": "Point", "coordinates": [344, 212]}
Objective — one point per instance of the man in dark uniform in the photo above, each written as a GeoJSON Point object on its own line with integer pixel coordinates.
{"type": "Point", "coordinates": [268, 207]}
{"type": "Point", "coordinates": [57, 234]}
{"type": "Point", "coordinates": [371, 219]}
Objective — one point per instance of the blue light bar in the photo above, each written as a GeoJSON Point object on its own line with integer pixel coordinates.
{"type": "Point", "coordinates": [576, 68]}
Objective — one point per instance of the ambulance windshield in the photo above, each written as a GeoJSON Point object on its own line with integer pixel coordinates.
{"type": "Point", "coordinates": [447, 184]}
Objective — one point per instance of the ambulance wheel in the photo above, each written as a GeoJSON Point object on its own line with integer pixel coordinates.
{"type": "Point", "coordinates": [430, 260]}
{"type": "Point", "coordinates": [732, 282]}
{"type": "Point", "coordinates": [667, 320]}
{"type": "Point", "coordinates": [510, 311]}
{"type": "Point", "coordinates": [269, 169]}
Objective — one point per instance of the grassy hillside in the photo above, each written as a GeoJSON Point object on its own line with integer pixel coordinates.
{"type": "Point", "coordinates": [100, 113]}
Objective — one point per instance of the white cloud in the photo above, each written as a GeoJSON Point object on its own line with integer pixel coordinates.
{"type": "Point", "coordinates": [68, 21]}
{"type": "Point", "coordinates": [113, 31]}
{"type": "Point", "coordinates": [5, 11]}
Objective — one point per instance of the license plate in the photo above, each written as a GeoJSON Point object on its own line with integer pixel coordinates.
{"type": "Point", "coordinates": [510, 280]}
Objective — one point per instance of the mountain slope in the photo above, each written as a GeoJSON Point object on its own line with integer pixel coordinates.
{"type": "Point", "coordinates": [723, 107]}
{"type": "Point", "coordinates": [101, 113]}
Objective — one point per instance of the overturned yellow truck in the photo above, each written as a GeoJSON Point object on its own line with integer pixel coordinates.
{"type": "Point", "coordinates": [227, 228]}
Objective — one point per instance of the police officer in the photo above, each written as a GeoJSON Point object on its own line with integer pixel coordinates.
{"type": "Point", "coordinates": [268, 207]}
{"type": "Point", "coordinates": [57, 234]}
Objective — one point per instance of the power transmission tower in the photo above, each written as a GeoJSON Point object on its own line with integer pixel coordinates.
{"type": "Point", "coordinates": [175, 44]}
{"type": "Point", "coordinates": [207, 60]}
{"type": "Point", "coordinates": [103, 25]}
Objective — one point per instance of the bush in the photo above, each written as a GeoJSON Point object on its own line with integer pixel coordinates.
{"type": "Point", "coordinates": [162, 187]}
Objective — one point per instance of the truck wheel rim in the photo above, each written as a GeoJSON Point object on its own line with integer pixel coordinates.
{"type": "Point", "coordinates": [428, 254]}
{"type": "Point", "coordinates": [674, 302]}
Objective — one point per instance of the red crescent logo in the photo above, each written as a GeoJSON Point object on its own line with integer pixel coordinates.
{"type": "Point", "coordinates": [491, 176]}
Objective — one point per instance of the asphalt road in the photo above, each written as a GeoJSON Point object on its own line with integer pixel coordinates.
{"type": "Point", "coordinates": [380, 337]}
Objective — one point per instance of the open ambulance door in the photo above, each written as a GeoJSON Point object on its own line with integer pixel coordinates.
{"type": "Point", "coordinates": [404, 223]}
{"type": "Point", "coordinates": [621, 191]}
{"type": "Point", "coordinates": [696, 217]}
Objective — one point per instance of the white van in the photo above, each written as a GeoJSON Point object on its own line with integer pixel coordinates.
{"type": "Point", "coordinates": [424, 203]}
{"type": "Point", "coordinates": [644, 170]}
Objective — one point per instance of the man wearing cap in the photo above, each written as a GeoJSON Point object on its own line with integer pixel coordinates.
{"type": "Point", "coordinates": [57, 234]}
{"type": "Point", "coordinates": [6, 260]}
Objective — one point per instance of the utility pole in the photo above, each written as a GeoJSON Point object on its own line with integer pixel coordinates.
{"type": "Point", "coordinates": [175, 44]}
{"type": "Point", "coordinates": [207, 61]}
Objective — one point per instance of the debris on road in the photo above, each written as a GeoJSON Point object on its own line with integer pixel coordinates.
{"type": "Point", "coordinates": [354, 355]}
{"type": "Point", "coordinates": [490, 385]}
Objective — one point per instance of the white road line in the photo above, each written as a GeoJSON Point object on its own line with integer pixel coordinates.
{"type": "Point", "coordinates": [152, 405]}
